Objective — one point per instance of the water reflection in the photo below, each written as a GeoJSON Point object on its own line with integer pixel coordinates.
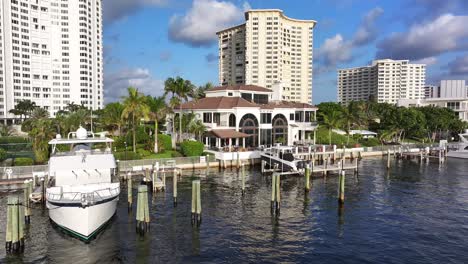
{"type": "Point", "coordinates": [412, 213]}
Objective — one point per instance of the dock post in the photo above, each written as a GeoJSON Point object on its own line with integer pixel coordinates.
{"type": "Point", "coordinates": [174, 188]}
{"type": "Point", "coordinates": [341, 188]}
{"type": "Point", "coordinates": [129, 191]}
{"type": "Point", "coordinates": [243, 178]}
{"type": "Point", "coordinates": [325, 168]}
{"type": "Point", "coordinates": [207, 158]}
{"type": "Point", "coordinates": [26, 203]}
{"type": "Point", "coordinates": [164, 180]}
{"type": "Point", "coordinates": [155, 176]}
{"type": "Point", "coordinates": [307, 178]}
{"type": "Point", "coordinates": [356, 167]}
{"type": "Point", "coordinates": [388, 159]}
{"type": "Point", "coordinates": [238, 160]}
{"type": "Point", "coordinates": [196, 203]}
{"type": "Point", "coordinates": [43, 190]}
{"type": "Point", "coordinates": [263, 167]}
{"type": "Point", "coordinates": [14, 228]}
{"type": "Point", "coordinates": [142, 216]}
{"type": "Point", "coordinates": [275, 193]}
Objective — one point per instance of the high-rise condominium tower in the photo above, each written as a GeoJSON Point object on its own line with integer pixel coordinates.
{"type": "Point", "coordinates": [385, 81]}
{"type": "Point", "coordinates": [269, 48]}
{"type": "Point", "coordinates": [50, 53]}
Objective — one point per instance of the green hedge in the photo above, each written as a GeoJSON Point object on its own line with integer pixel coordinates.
{"type": "Point", "coordinates": [23, 162]}
{"type": "Point", "coordinates": [3, 154]}
{"type": "Point", "coordinates": [130, 155]}
{"type": "Point", "coordinates": [11, 140]}
{"type": "Point", "coordinates": [191, 148]}
{"type": "Point", "coordinates": [164, 142]}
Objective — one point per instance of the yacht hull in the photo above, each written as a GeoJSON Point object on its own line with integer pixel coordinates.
{"type": "Point", "coordinates": [458, 154]}
{"type": "Point", "coordinates": [83, 222]}
{"type": "Point", "coordinates": [283, 165]}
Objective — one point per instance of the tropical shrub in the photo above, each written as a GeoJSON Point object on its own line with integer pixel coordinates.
{"type": "Point", "coordinates": [12, 140]}
{"type": "Point", "coordinates": [143, 152]}
{"type": "Point", "coordinates": [164, 142]}
{"type": "Point", "coordinates": [175, 154]}
{"type": "Point", "coordinates": [3, 154]}
{"type": "Point", "coordinates": [191, 148]}
{"type": "Point", "coordinates": [23, 162]}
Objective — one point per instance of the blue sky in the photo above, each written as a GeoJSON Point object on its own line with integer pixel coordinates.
{"type": "Point", "coordinates": [147, 41]}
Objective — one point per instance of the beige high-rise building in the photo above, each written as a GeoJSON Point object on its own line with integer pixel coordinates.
{"type": "Point", "coordinates": [269, 48]}
{"type": "Point", "coordinates": [385, 81]}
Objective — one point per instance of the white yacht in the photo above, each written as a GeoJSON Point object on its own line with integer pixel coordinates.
{"type": "Point", "coordinates": [283, 158]}
{"type": "Point", "coordinates": [459, 149]}
{"type": "Point", "coordinates": [83, 197]}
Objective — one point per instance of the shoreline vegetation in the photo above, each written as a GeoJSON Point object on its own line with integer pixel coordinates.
{"type": "Point", "coordinates": [135, 120]}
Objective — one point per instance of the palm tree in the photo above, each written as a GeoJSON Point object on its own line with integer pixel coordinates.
{"type": "Point", "coordinates": [199, 92]}
{"type": "Point", "coordinates": [136, 107]}
{"type": "Point", "coordinates": [158, 111]}
{"type": "Point", "coordinates": [24, 108]}
{"type": "Point", "coordinates": [182, 88]}
{"type": "Point", "coordinates": [197, 127]}
{"type": "Point", "coordinates": [112, 116]}
{"type": "Point", "coordinates": [6, 131]}
{"type": "Point", "coordinates": [330, 121]}
{"type": "Point", "coordinates": [42, 131]}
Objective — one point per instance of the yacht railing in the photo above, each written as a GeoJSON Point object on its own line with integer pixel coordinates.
{"type": "Point", "coordinates": [85, 198]}
{"type": "Point", "coordinates": [81, 152]}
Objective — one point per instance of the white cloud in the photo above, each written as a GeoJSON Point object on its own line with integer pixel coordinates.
{"type": "Point", "coordinates": [116, 83]}
{"type": "Point", "coordinates": [336, 50]}
{"type": "Point", "coordinates": [429, 61]}
{"type": "Point", "coordinates": [199, 25]}
{"type": "Point", "coordinates": [445, 34]}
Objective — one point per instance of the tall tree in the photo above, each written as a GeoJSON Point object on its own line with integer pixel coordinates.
{"type": "Point", "coordinates": [24, 108]}
{"type": "Point", "coordinates": [158, 111]}
{"type": "Point", "coordinates": [135, 108]}
{"type": "Point", "coordinates": [331, 120]}
{"type": "Point", "coordinates": [182, 89]}
{"type": "Point", "coordinates": [111, 116]}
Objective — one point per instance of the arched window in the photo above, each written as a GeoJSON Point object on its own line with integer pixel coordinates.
{"type": "Point", "coordinates": [232, 120]}
{"type": "Point", "coordinates": [280, 129]}
{"type": "Point", "coordinates": [249, 125]}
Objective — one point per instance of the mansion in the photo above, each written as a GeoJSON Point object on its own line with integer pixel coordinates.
{"type": "Point", "coordinates": [249, 116]}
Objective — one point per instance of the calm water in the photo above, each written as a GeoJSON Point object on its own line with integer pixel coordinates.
{"type": "Point", "coordinates": [415, 214]}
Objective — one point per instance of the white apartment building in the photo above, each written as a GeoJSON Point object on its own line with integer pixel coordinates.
{"type": "Point", "coordinates": [452, 94]}
{"type": "Point", "coordinates": [269, 48]}
{"type": "Point", "coordinates": [385, 81]}
{"type": "Point", "coordinates": [50, 53]}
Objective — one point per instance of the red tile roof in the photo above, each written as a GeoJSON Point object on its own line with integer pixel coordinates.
{"type": "Point", "coordinates": [222, 102]}
{"type": "Point", "coordinates": [285, 104]}
{"type": "Point", "coordinates": [254, 88]}
{"type": "Point", "coordinates": [228, 133]}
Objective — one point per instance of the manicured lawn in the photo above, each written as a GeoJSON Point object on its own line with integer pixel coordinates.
{"type": "Point", "coordinates": [162, 155]}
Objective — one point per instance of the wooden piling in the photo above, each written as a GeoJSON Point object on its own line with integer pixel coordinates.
{"type": "Point", "coordinates": [238, 160]}
{"type": "Point", "coordinates": [155, 177]}
{"type": "Point", "coordinates": [129, 191]}
{"type": "Point", "coordinates": [207, 159]}
{"type": "Point", "coordinates": [243, 178]}
{"type": "Point", "coordinates": [142, 216]}
{"type": "Point", "coordinates": [341, 187]}
{"type": "Point", "coordinates": [275, 193]}
{"type": "Point", "coordinates": [14, 229]}
{"type": "Point", "coordinates": [43, 191]}
{"type": "Point", "coordinates": [26, 203]}
{"type": "Point", "coordinates": [263, 166]}
{"type": "Point", "coordinates": [307, 178]}
{"type": "Point", "coordinates": [164, 180]}
{"type": "Point", "coordinates": [196, 202]}
{"type": "Point", "coordinates": [388, 159]}
{"type": "Point", "coordinates": [174, 188]}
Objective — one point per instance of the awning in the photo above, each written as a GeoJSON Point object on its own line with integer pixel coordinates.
{"type": "Point", "coordinates": [228, 133]}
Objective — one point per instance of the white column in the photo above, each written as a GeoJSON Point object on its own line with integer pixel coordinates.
{"type": "Point", "coordinates": [243, 142]}
{"type": "Point", "coordinates": [230, 143]}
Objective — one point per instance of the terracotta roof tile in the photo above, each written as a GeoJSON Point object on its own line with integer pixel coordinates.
{"type": "Point", "coordinates": [221, 102]}
{"type": "Point", "coordinates": [240, 87]}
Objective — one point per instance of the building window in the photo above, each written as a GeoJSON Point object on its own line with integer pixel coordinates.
{"type": "Point", "coordinates": [280, 129]}
{"type": "Point", "coordinates": [207, 117]}
{"type": "Point", "coordinates": [249, 125]}
{"type": "Point", "coordinates": [232, 120]}
{"type": "Point", "coordinates": [265, 118]}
